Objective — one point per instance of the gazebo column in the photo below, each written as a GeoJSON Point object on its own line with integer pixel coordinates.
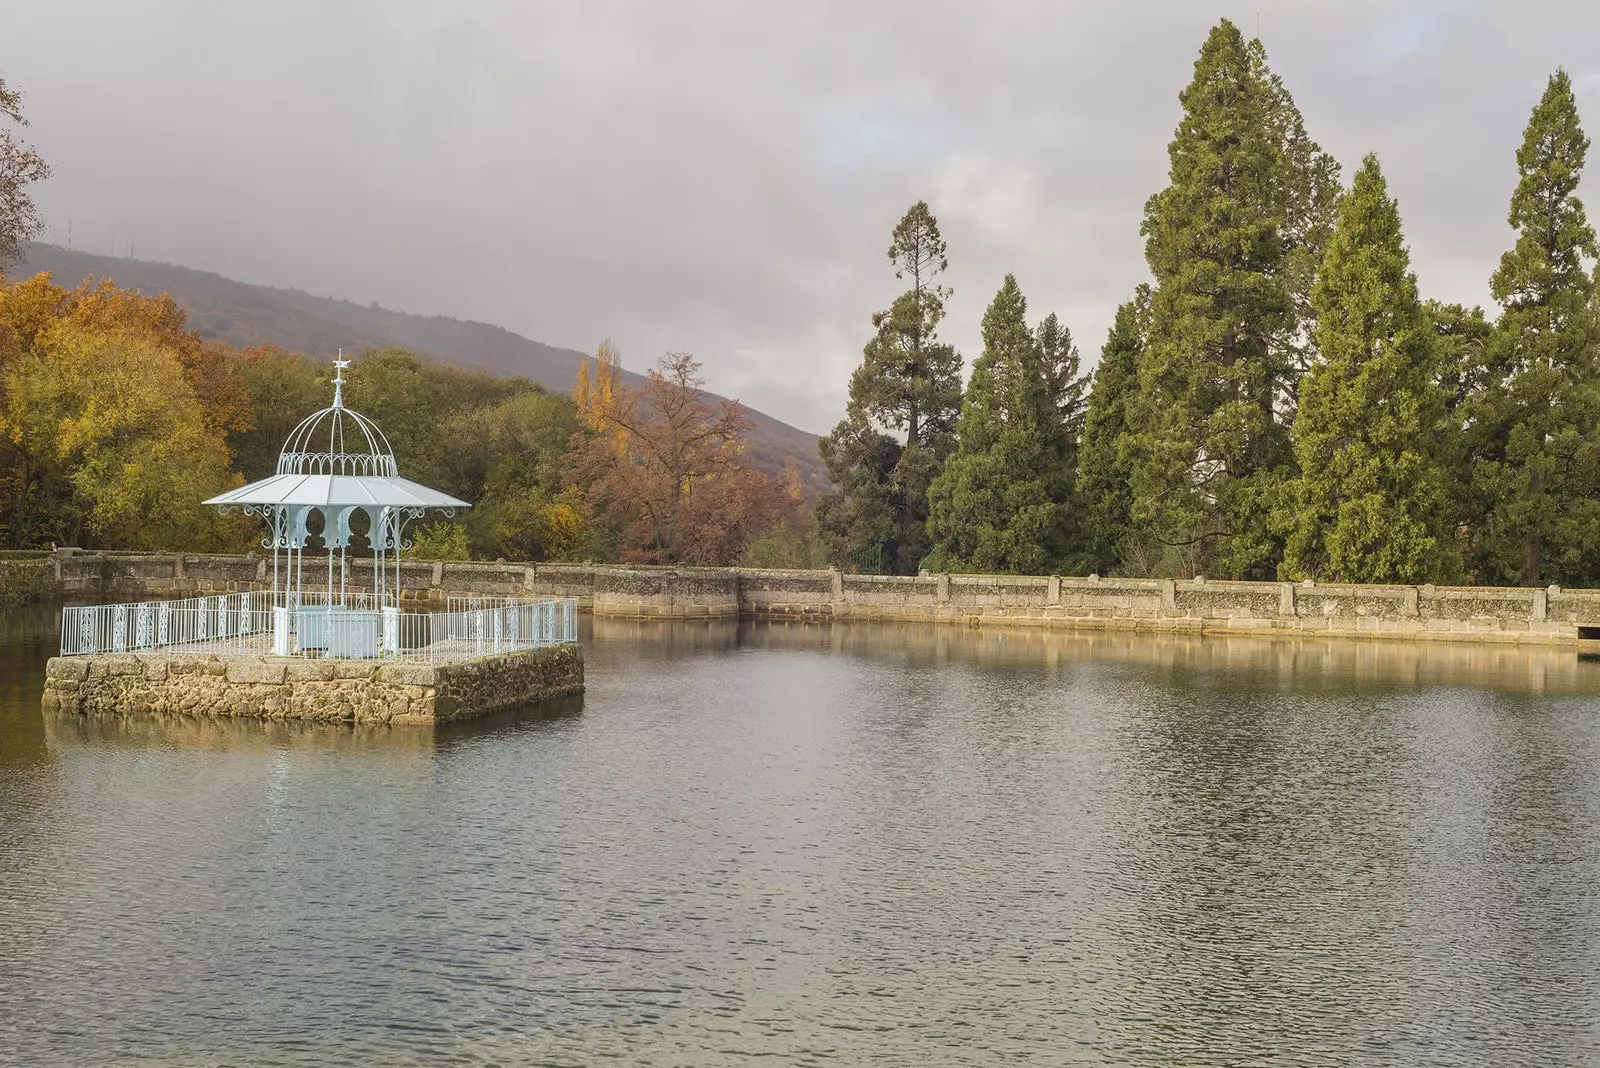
{"type": "Point", "coordinates": [277, 522]}
{"type": "Point", "coordinates": [327, 543]}
{"type": "Point", "coordinates": [387, 523]}
{"type": "Point", "coordinates": [378, 540]}
{"type": "Point", "coordinates": [397, 518]}
{"type": "Point", "coordinates": [291, 534]}
{"type": "Point", "coordinates": [339, 524]}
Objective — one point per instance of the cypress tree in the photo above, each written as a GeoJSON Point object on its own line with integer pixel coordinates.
{"type": "Point", "coordinates": [1371, 501]}
{"type": "Point", "coordinates": [900, 422]}
{"type": "Point", "coordinates": [1534, 451]}
{"type": "Point", "coordinates": [1102, 471]}
{"type": "Point", "coordinates": [1208, 443]}
{"type": "Point", "coordinates": [1308, 194]}
{"type": "Point", "coordinates": [1062, 416]}
{"type": "Point", "coordinates": [1005, 500]}
{"type": "Point", "coordinates": [1461, 337]}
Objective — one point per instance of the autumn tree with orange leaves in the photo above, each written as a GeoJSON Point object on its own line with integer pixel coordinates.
{"type": "Point", "coordinates": [664, 471]}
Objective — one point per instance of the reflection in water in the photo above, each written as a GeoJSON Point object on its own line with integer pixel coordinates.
{"type": "Point", "coordinates": [28, 637]}
{"type": "Point", "coordinates": [1197, 661]}
{"type": "Point", "coordinates": [845, 845]}
{"type": "Point", "coordinates": [246, 735]}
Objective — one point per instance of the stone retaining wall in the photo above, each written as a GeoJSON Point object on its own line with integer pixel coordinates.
{"type": "Point", "coordinates": [26, 578]}
{"type": "Point", "coordinates": [1546, 616]}
{"type": "Point", "coordinates": [344, 691]}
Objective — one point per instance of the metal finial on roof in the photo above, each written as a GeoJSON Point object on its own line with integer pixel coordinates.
{"type": "Point", "coordinates": [338, 379]}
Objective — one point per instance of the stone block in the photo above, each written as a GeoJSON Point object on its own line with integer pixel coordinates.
{"type": "Point", "coordinates": [298, 670]}
{"type": "Point", "coordinates": [255, 671]}
{"type": "Point", "coordinates": [67, 667]}
{"type": "Point", "coordinates": [354, 669]}
{"type": "Point", "coordinates": [117, 666]}
{"type": "Point", "coordinates": [408, 675]}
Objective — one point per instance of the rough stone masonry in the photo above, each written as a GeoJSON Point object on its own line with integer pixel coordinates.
{"type": "Point", "coordinates": [340, 691]}
{"type": "Point", "coordinates": [1550, 616]}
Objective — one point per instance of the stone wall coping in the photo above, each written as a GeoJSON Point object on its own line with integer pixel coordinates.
{"type": "Point", "coordinates": [518, 569]}
{"type": "Point", "coordinates": [705, 593]}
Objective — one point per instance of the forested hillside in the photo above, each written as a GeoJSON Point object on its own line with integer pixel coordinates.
{"type": "Point", "coordinates": [245, 315]}
{"type": "Point", "coordinates": [117, 421]}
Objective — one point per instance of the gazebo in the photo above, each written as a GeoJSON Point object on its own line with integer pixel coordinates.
{"type": "Point", "coordinates": [336, 463]}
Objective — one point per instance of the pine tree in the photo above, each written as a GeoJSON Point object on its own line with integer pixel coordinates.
{"type": "Point", "coordinates": [1371, 501]}
{"type": "Point", "coordinates": [1534, 456]}
{"type": "Point", "coordinates": [909, 383]}
{"type": "Point", "coordinates": [1005, 500]}
{"type": "Point", "coordinates": [1208, 444]}
{"type": "Point", "coordinates": [860, 519]}
{"type": "Point", "coordinates": [1103, 490]}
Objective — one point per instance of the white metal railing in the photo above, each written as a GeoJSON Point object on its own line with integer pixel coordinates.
{"type": "Point", "coordinates": [226, 621]}
{"type": "Point", "coordinates": [252, 624]}
{"type": "Point", "coordinates": [489, 625]}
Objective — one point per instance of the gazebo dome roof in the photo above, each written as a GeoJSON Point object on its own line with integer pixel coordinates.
{"type": "Point", "coordinates": [337, 441]}
{"type": "Point", "coordinates": [336, 458]}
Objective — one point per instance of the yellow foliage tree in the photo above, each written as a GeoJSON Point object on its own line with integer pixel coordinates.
{"type": "Point", "coordinates": [597, 399]}
{"type": "Point", "coordinates": [106, 422]}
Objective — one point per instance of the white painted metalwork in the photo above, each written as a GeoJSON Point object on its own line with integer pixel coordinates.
{"type": "Point", "coordinates": [221, 623]}
{"type": "Point", "coordinates": [336, 464]}
{"type": "Point", "coordinates": [247, 625]}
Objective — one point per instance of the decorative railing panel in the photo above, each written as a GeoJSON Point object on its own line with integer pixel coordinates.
{"type": "Point", "coordinates": [251, 624]}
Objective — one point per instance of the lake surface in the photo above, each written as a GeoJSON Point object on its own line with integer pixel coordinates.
{"type": "Point", "coordinates": [833, 846]}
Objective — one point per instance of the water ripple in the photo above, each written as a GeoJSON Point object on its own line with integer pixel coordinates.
{"type": "Point", "coordinates": [842, 846]}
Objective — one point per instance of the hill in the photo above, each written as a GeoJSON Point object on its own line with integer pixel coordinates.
{"type": "Point", "coordinates": [243, 314]}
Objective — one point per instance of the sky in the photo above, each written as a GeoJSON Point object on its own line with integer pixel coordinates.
{"type": "Point", "coordinates": [722, 177]}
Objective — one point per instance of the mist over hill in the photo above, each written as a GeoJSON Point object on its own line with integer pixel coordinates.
{"type": "Point", "coordinates": [242, 314]}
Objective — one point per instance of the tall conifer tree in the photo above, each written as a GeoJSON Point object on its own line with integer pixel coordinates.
{"type": "Point", "coordinates": [1371, 501]}
{"type": "Point", "coordinates": [1103, 473]}
{"type": "Point", "coordinates": [1462, 337]}
{"type": "Point", "coordinates": [1533, 437]}
{"type": "Point", "coordinates": [1308, 196]}
{"type": "Point", "coordinates": [900, 422]}
{"type": "Point", "coordinates": [1005, 500]}
{"type": "Point", "coordinates": [1208, 442]}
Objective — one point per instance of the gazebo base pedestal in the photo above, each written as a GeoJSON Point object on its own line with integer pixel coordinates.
{"type": "Point", "coordinates": [324, 689]}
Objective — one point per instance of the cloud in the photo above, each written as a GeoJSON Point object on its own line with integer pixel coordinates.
{"type": "Point", "coordinates": [722, 177]}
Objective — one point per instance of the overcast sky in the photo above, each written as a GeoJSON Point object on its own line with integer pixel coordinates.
{"type": "Point", "coordinates": [722, 177]}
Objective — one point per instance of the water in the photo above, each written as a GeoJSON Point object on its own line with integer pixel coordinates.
{"type": "Point", "coordinates": [847, 846]}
